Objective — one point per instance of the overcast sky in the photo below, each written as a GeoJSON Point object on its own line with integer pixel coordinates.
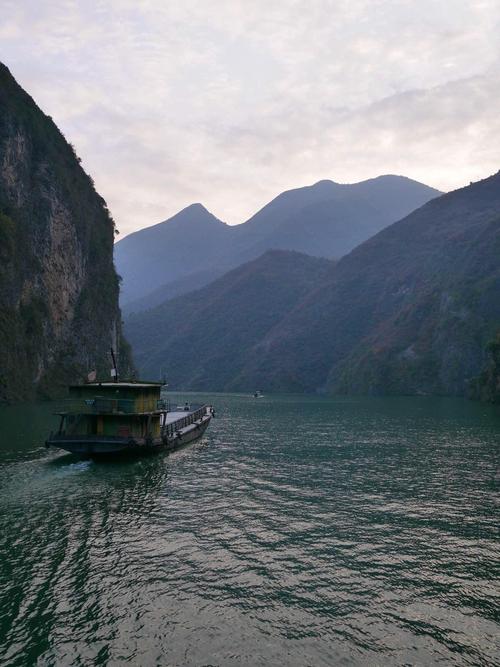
{"type": "Point", "coordinates": [229, 102]}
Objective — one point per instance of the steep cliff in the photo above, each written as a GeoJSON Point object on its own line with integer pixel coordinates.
{"type": "Point", "coordinates": [59, 311]}
{"type": "Point", "coordinates": [486, 387]}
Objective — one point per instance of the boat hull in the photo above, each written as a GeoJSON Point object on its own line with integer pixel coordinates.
{"type": "Point", "coordinates": [116, 446]}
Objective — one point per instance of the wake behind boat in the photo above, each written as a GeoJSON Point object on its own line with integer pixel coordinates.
{"type": "Point", "coordinates": [115, 418]}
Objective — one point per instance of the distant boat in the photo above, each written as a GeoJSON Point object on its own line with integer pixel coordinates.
{"type": "Point", "coordinates": [116, 418]}
{"type": "Point", "coordinates": [258, 394]}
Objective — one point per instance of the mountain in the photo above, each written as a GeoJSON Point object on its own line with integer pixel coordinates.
{"type": "Point", "coordinates": [413, 310]}
{"type": "Point", "coordinates": [59, 311]}
{"type": "Point", "coordinates": [202, 340]}
{"type": "Point", "coordinates": [330, 219]}
{"type": "Point", "coordinates": [169, 290]}
{"type": "Point", "coordinates": [325, 220]}
{"type": "Point", "coordinates": [168, 251]}
{"type": "Point", "coordinates": [409, 311]}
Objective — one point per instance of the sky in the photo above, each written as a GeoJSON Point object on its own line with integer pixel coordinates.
{"type": "Point", "coordinates": [230, 102]}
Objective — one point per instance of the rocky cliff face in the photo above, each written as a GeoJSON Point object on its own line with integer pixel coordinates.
{"type": "Point", "coordinates": [59, 310]}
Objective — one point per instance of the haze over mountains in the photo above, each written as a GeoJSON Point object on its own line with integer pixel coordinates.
{"type": "Point", "coordinates": [411, 310]}
{"type": "Point", "coordinates": [187, 243]}
{"type": "Point", "coordinates": [202, 339]}
{"type": "Point", "coordinates": [325, 220]}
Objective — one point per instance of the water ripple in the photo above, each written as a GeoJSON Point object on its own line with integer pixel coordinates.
{"type": "Point", "coordinates": [298, 532]}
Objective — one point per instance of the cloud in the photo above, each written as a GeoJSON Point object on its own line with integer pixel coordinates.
{"type": "Point", "coordinates": [230, 102]}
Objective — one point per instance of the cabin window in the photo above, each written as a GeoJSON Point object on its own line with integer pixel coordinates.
{"type": "Point", "coordinates": [92, 426]}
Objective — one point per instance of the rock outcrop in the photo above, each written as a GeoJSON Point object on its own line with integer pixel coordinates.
{"type": "Point", "coordinates": [59, 311]}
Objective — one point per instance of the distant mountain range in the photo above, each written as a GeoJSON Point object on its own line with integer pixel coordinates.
{"type": "Point", "coordinates": [194, 247]}
{"type": "Point", "coordinates": [411, 310]}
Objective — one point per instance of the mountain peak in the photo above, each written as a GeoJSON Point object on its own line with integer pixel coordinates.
{"type": "Point", "coordinates": [390, 177]}
{"type": "Point", "coordinates": [325, 183]}
{"type": "Point", "coordinates": [326, 219]}
{"type": "Point", "coordinates": [193, 215]}
{"type": "Point", "coordinates": [196, 216]}
{"type": "Point", "coordinates": [395, 179]}
{"type": "Point", "coordinates": [196, 207]}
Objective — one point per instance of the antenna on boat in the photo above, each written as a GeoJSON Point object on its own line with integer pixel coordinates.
{"type": "Point", "coordinates": [114, 370]}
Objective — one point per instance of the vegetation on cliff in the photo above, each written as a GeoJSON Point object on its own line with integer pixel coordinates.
{"type": "Point", "coordinates": [408, 312]}
{"type": "Point", "coordinates": [204, 339]}
{"type": "Point", "coordinates": [59, 310]}
{"type": "Point", "coordinates": [486, 387]}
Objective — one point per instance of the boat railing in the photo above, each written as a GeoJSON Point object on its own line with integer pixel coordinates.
{"type": "Point", "coordinates": [182, 422]}
{"type": "Point", "coordinates": [101, 405]}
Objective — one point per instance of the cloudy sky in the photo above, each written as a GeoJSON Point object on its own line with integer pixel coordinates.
{"type": "Point", "coordinates": [229, 102]}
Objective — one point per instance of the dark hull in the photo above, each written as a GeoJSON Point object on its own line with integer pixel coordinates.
{"type": "Point", "coordinates": [115, 446]}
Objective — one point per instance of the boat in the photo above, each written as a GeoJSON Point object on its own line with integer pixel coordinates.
{"type": "Point", "coordinates": [258, 394]}
{"type": "Point", "coordinates": [103, 419]}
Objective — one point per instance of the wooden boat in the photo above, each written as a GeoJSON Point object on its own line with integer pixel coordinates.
{"type": "Point", "coordinates": [116, 418]}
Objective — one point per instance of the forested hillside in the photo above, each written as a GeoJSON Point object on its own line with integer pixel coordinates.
{"type": "Point", "coordinates": [204, 339]}
{"type": "Point", "coordinates": [486, 387]}
{"type": "Point", "coordinates": [409, 311]}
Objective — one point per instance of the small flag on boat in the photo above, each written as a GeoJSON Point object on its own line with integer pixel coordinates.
{"type": "Point", "coordinates": [92, 376]}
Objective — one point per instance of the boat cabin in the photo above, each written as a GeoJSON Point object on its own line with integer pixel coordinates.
{"type": "Point", "coordinates": [124, 409]}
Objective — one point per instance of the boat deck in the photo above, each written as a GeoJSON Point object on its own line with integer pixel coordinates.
{"type": "Point", "coordinates": [177, 414]}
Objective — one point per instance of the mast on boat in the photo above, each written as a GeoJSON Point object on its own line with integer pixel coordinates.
{"type": "Point", "coordinates": [114, 370]}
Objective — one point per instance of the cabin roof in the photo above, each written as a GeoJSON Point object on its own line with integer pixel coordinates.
{"type": "Point", "coordinates": [119, 385]}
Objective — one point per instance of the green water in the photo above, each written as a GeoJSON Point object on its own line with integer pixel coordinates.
{"type": "Point", "coordinates": [299, 531]}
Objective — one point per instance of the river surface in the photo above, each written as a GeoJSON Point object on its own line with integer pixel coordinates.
{"type": "Point", "coordinates": [299, 531]}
